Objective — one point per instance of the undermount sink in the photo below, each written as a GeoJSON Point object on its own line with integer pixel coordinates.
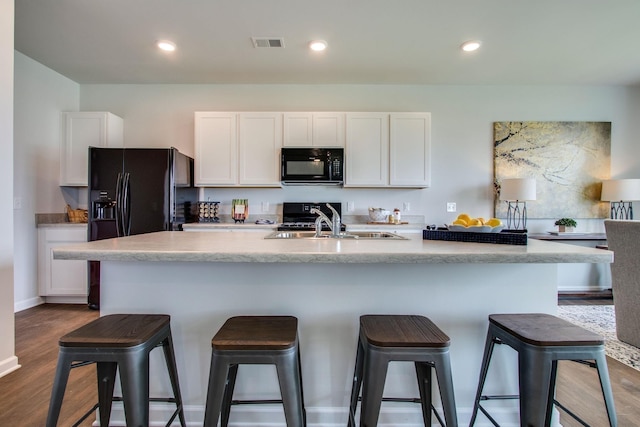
{"type": "Point", "coordinates": [367, 235]}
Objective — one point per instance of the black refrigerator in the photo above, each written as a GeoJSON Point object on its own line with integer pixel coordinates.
{"type": "Point", "coordinates": [136, 191]}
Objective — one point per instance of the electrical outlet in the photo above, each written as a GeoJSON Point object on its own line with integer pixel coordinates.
{"type": "Point", "coordinates": [351, 206]}
{"type": "Point", "coordinates": [17, 203]}
{"type": "Point", "coordinates": [451, 207]}
{"type": "Point", "coordinates": [265, 206]}
{"type": "Point", "coordinates": [406, 206]}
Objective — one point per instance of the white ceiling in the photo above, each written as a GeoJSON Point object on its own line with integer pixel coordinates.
{"type": "Point", "coordinates": [590, 42]}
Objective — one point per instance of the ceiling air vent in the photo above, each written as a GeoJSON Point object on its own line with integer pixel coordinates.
{"type": "Point", "coordinates": [267, 41]}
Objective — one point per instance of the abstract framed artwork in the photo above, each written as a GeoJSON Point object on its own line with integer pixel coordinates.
{"type": "Point", "coordinates": [569, 161]}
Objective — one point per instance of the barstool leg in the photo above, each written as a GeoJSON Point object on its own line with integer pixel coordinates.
{"type": "Point", "coordinates": [375, 374]}
{"type": "Point", "coordinates": [357, 383]}
{"type": "Point", "coordinates": [170, 359]}
{"type": "Point", "coordinates": [59, 386]}
{"type": "Point", "coordinates": [486, 358]}
{"type": "Point", "coordinates": [106, 373]}
{"type": "Point", "coordinates": [291, 388]}
{"type": "Point", "coordinates": [217, 378]}
{"type": "Point", "coordinates": [423, 374]}
{"type": "Point", "coordinates": [534, 370]}
{"type": "Point", "coordinates": [134, 376]}
{"type": "Point", "coordinates": [605, 384]}
{"type": "Point", "coordinates": [445, 384]}
{"type": "Point", "coordinates": [230, 385]}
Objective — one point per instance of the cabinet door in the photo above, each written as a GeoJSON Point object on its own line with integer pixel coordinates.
{"type": "Point", "coordinates": [297, 130]}
{"type": "Point", "coordinates": [60, 277]}
{"type": "Point", "coordinates": [80, 130]}
{"type": "Point", "coordinates": [367, 150]}
{"type": "Point", "coordinates": [409, 150]}
{"type": "Point", "coordinates": [260, 140]}
{"type": "Point", "coordinates": [216, 149]}
{"type": "Point", "coordinates": [313, 129]}
{"type": "Point", "coordinates": [328, 129]}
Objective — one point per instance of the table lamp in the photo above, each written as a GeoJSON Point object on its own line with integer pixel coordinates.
{"type": "Point", "coordinates": [620, 193]}
{"type": "Point", "coordinates": [516, 191]}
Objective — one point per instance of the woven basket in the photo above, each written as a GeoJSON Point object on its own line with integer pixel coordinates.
{"type": "Point", "coordinates": [77, 215]}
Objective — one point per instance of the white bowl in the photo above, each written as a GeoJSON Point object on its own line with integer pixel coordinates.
{"type": "Point", "coordinates": [379, 215]}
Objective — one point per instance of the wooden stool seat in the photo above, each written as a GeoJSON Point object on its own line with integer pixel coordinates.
{"type": "Point", "coordinates": [541, 340]}
{"type": "Point", "coordinates": [257, 333]}
{"type": "Point", "coordinates": [255, 340]}
{"type": "Point", "coordinates": [117, 330]}
{"type": "Point", "coordinates": [401, 338]}
{"type": "Point", "coordinates": [402, 331]}
{"type": "Point", "coordinates": [544, 330]}
{"type": "Point", "coordinates": [118, 343]}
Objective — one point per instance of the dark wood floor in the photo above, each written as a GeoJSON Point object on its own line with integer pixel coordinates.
{"type": "Point", "coordinates": [24, 394]}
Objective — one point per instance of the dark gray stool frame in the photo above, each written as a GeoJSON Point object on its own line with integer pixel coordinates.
{"type": "Point", "coordinates": [131, 360]}
{"type": "Point", "coordinates": [224, 369]}
{"type": "Point", "coordinates": [371, 366]}
{"type": "Point", "coordinates": [538, 364]}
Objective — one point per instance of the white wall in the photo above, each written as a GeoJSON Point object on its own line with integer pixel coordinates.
{"type": "Point", "coordinates": [8, 360]}
{"type": "Point", "coordinates": [462, 120]}
{"type": "Point", "coordinates": [41, 94]}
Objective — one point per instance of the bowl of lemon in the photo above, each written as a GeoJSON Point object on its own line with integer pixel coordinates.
{"type": "Point", "coordinates": [466, 223]}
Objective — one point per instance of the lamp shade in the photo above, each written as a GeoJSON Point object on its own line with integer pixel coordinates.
{"type": "Point", "coordinates": [617, 190]}
{"type": "Point", "coordinates": [518, 189]}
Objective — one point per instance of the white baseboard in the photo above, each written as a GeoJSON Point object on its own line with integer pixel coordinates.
{"type": "Point", "coordinates": [8, 365]}
{"type": "Point", "coordinates": [28, 303]}
{"type": "Point", "coordinates": [272, 416]}
{"type": "Point", "coordinates": [66, 300]}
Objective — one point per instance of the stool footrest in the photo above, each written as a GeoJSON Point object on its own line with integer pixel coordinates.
{"type": "Point", "coordinates": [500, 397]}
{"type": "Point", "coordinates": [570, 413]}
{"type": "Point", "coordinates": [256, 401]}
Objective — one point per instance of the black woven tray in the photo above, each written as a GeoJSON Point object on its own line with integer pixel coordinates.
{"type": "Point", "coordinates": [503, 238]}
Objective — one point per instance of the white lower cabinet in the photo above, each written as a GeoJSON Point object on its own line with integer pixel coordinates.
{"type": "Point", "coordinates": [60, 277]}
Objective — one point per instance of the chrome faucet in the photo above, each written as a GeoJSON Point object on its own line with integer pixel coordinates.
{"type": "Point", "coordinates": [334, 223]}
{"type": "Point", "coordinates": [321, 217]}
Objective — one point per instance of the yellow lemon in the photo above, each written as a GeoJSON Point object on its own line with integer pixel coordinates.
{"type": "Point", "coordinates": [474, 221]}
{"type": "Point", "coordinates": [494, 222]}
{"type": "Point", "coordinates": [460, 222]}
{"type": "Point", "coordinates": [464, 217]}
{"type": "Point", "coordinates": [482, 222]}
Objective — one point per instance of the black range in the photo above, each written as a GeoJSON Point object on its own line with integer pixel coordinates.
{"type": "Point", "coordinates": [298, 216]}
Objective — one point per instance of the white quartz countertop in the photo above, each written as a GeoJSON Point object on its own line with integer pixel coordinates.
{"type": "Point", "coordinates": [250, 246]}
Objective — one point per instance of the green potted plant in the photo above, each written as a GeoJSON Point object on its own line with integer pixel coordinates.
{"type": "Point", "coordinates": [566, 225]}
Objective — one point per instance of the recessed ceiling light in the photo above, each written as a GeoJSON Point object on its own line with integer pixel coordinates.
{"type": "Point", "coordinates": [318, 45]}
{"type": "Point", "coordinates": [166, 45]}
{"type": "Point", "coordinates": [470, 46]}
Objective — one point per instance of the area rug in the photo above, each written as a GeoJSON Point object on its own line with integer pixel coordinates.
{"type": "Point", "coordinates": [601, 320]}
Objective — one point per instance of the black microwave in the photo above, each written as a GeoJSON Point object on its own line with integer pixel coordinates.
{"type": "Point", "coordinates": [323, 166]}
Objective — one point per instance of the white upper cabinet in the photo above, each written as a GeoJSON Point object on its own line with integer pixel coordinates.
{"type": "Point", "coordinates": [367, 150]}
{"type": "Point", "coordinates": [260, 140]}
{"type": "Point", "coordinates": [81, 130]}
{"type": "Point", "coordinates": [325, 129]}
{"type": "Point", "coordinates": [237, 149]}
{"type": "Point", "coordinates": [216, 148]}
{"type": "Point", "coordinates": [388, 150]}
{"type": "Point", "coordinates": [410, 150]}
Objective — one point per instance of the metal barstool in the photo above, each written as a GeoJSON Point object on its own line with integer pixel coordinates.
{"type": "Point", "coordinates": [118, 342]}
{"type": "Point", "coordinates": [408, 338]}
{"type": "Point", "coordinates": [541, 340]}
{"type": "Point", "coordinates": [255, 340]}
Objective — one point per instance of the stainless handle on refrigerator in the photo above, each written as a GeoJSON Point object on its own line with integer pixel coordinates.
{"type": "Point", "coordinates": [119, 218]}
{"type": "Point", "coordinates": [126, 199]}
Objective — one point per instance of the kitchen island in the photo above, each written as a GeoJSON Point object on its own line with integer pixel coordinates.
{"type": "Point", "coordinates": [202, 278]}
